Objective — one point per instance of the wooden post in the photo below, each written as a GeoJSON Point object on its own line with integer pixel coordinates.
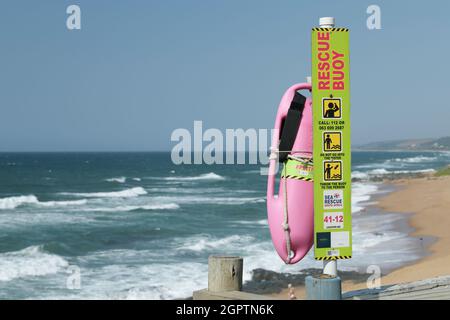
{"type": "Point", "coordinates": [225, 281]}
{"type": "Point", "coordinates": [225, 273]}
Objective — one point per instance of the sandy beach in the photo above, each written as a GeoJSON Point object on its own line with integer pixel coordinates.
{"type": "Point", "coordinates": [428, 201]}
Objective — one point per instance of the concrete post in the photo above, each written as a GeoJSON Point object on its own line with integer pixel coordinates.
{"type": "Point", "coordinates": [323, 287]}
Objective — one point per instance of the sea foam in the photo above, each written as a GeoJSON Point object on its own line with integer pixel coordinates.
{"type": "Point", "coordinates": [17, 201]}
{"type": "Point", "coordinates": [31, 261]}
{"type": "Point", "coordinates": [14, 202]}
{"type": "Point", "coordinates": [206, 242]}
{"type": "Point", "coordinates": [361, 192]}
{"type": "Point", "coordinates": [206, 176]}
{"type": "Point", "coordinates": [417, 159]}
{"type": "Point", "coordinates": [165, 206]}
{"type": "Point", "coordinates": [197, 199]}
{"type": "Point", "coordinates": [127, 193]}
{"type": "Point", "coordinates": [117, 179]}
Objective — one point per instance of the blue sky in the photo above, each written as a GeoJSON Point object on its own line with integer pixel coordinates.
{"type": "Point", "coordinates": [137, 70]}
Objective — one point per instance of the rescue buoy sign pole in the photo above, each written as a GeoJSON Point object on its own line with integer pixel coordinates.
{"type": "Point", "coordinates": [331, 134]}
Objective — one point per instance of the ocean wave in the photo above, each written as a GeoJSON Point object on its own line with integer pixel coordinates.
{"type": "Point", "coordinates": [360, 175]}
{"type": "Point", "coordinates": [145, 275]}
{"type": "Point", "coordinates": [166, 206]}
{"type": "Point", "coordinates": [206, 242]}
{"type": "Point", "coordinates": [206, 176]}
{"type": "Point", "coordinates": [62, 203]}
{"type": "Point", "coordinates": [183, 190]}
{"type": "Point", "coordinates": [417, 159]}
{"type": "Point", "coordinates": [117, 179]}
{"type": "Point", "coordinates": [31, 261]}
{"type": "Point", "coordinates": [414, 171]}
{"type": "Point", "coordinates": [263, 222]}
{"type": "Point", "coordinates": [375, 165]}
{"type": "Point", "coordinates": [236, 200]}
{"type": "Point", "coordinates": [175, 281]}
{"type": "Point", "coordinates": [14, 202]}
{"type": "Point", "coordinates": [253, 171]}
{"type": "Point", "coordinates": [127, 193]}
{"type": "Point", "coordinates": [17, 201]}
{"type": "Point", "coordinates": [397, 163]}
{"type": "Point", "coordinates": [361, 192]}
{"type": "Point", "coordinates": [376, 238]}
{"type": "Point", "coordinates": [383, 172]}
{"type": "Point", "coordinates": [153, 281]}
{"type": "Point", "coordinates": [184, 199]}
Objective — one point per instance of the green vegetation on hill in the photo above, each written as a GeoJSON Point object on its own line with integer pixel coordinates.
{"type": "Point", "coordinates": [440, 144]}
{"type": "Point", "coordinates": [443, 172]}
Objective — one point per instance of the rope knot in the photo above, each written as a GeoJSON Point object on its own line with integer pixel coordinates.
{"type": "Point", "coordinates": [273, 153]}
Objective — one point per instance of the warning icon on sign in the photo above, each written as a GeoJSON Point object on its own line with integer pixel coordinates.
{"type": "Point", "coordinates": [332, 170]}
{"type": "Point", "coordinates": [332, 108]}
{"type": "Point", "coordinates": [332, 141]}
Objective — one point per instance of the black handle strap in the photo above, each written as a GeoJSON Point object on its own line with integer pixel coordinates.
{"type": "Point", "coordinates": [290, 126]}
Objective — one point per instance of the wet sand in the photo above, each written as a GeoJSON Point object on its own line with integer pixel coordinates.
{"type": "Point", "coordinates": [429, 201]}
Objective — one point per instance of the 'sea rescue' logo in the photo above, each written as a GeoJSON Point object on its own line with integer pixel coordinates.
{"type": "Point", "coordinates": [333, 199]}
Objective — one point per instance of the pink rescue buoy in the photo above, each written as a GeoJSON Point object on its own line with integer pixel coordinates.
{"type": "Point", "coordinates": [291, 212]}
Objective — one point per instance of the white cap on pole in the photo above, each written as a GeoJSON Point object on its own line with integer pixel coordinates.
{"type": "Point", "coordinates": [326, 22]}
{"type": "Point", "coordinates": [329, 266]}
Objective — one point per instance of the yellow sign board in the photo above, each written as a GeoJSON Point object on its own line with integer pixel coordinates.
{"type": "Point", "coordinates": [332, 143]}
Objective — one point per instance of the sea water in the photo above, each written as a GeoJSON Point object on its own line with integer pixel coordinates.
{"type": "Point", "coordinates": [134, 225]}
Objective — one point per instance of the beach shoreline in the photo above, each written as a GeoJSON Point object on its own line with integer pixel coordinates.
{"type": "Point", "coordinates": [429, 202]}
{"type": "Point", "coordinates": [423, 200]}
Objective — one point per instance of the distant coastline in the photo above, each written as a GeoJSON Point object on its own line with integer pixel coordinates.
{"type": "Point", "coordinates": [407, 145]}
{"type": "Point", "coordinates": [359, 149]}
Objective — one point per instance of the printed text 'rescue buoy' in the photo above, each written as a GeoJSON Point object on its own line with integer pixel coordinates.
{"type": "Point", "coordinates": [329, 59]}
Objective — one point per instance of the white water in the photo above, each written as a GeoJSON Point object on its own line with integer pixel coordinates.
{"type": "Point", "coordinates": [206, 176]}
{"type": "Point", "coordinates": [29, 262]}
{"type": "Point", "coordinates": [117, 179]}
{"type": "Point", "coordinates": [17, 201]}
{"type": "Point", "coordinates": [127, 193]}
{"type": "Point", "coordinates": [166, 206]}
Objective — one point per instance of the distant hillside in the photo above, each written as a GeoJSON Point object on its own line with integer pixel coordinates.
{"type": "Point", "coordinates": [411, 144]}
